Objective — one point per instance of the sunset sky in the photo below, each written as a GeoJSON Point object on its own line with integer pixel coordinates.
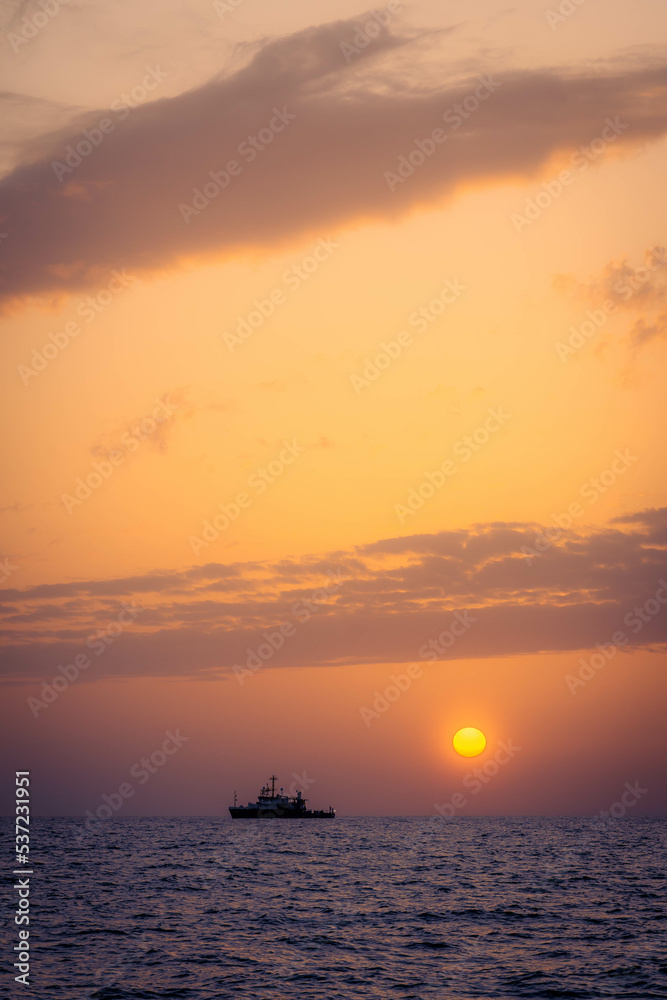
{"type": "Point", "coordinates": [403, 366]}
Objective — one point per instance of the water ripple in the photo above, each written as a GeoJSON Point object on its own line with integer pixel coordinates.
{"type": "Point", "coordinates": [468, 909]}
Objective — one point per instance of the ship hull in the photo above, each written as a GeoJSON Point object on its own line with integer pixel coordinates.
{"type": "Point", "coordinates": [276, 812]}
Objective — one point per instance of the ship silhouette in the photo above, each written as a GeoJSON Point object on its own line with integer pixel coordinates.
{"type": "Point", "coordinates": [278, 805]}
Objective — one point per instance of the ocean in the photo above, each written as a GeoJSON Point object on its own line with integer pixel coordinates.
{"type": "Point", "coordinates": [189, 908]}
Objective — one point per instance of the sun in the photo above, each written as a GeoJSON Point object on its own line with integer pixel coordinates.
{"type": "Point", "coordinates": [469, 742]}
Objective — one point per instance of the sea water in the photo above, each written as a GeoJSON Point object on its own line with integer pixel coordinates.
{"type": "Point", "coordinates": [194, 908]}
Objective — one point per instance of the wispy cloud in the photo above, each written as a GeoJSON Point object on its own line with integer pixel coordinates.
{"type": "Point", "coordinates": [629, 289]}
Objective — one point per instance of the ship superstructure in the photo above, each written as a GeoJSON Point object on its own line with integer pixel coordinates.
{"type": "Point", "coordinates": [271, 804]}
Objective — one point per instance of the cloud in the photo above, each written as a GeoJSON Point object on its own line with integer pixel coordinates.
{"type": "Point", "coordinates": [352, 121]}
{"type": "Point", "coordinates": [376, 603]}
{"type": "Point", "coordinates": [641, 289]}
{"type": "Point", "coordinates": [154, 426]}
{"type": "Point", "coordinates": [25, 120]}
{"type": "Point", "coordinates": [15, 508]}
{"type": "Point", "coordinates": [642, 331]}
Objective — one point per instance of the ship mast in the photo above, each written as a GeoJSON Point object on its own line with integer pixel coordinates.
{"type": "Point", "coordinates": [273, 786]}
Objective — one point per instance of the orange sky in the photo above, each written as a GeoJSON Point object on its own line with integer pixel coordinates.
{"type": "Point", "coordinates": [411, 330]}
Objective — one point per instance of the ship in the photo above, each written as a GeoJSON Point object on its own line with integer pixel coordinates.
{"type": "Point", "coordinates": [271, 804]}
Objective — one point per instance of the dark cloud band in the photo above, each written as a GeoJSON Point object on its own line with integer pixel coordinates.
{"type": "Point", "coordinates": [378, 603]}
{"type": "Point", "coordinates": [349, 124]}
